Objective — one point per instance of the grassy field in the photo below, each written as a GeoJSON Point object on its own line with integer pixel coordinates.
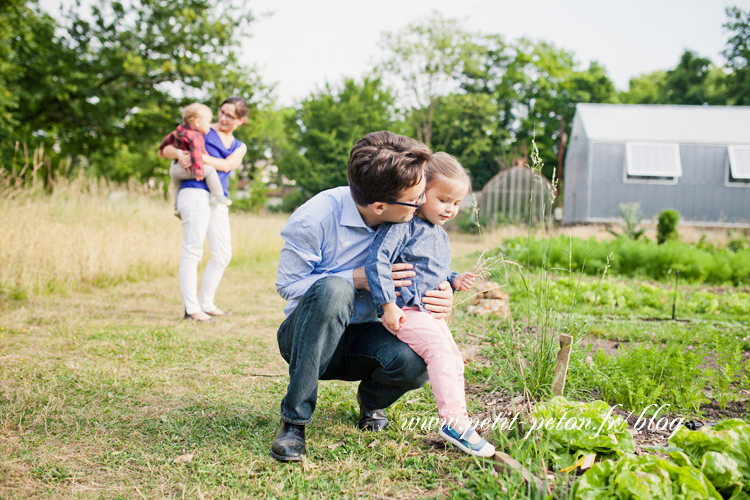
{"type": "Point", "coordinates": [105, 392]}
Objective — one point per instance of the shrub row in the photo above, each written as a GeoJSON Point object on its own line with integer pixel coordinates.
{"type": "Point", "coordinates": [630, 258]}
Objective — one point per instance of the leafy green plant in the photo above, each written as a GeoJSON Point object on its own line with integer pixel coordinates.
{"type": "Point", "coordinates": [646, 476]}
{"type": "Point", "coordinates": [727, 355]}
{"type": "Point", "coordinates": [666, 227]}
{"type": "Point", "coordinates": [631, 216]}
{"type": "Point", "coordinates": [581, 429]}
{"type": "Point", "coordinates": [653, 374]}
{"type": "Point", "coordinates": [722, 453]}
{"type": "Point", "coordinates": [636, 259]}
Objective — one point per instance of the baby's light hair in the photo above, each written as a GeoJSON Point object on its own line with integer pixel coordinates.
{"type": "Point", "coordinates": [193, 111]}
{"type": "Point", "coordinates": [445, 165]}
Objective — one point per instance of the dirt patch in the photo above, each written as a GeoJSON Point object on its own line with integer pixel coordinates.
{"type": "Point", "coordinates": [609, 347]}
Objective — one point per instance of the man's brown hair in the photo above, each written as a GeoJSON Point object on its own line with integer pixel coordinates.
{"type": "Point", "coordinates": [383, 164]}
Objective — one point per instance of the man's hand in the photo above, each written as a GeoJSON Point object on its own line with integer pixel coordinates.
{"type": "Point", "coordinates": [393, 316]}
{"type": "Point", "coordinates": [399, 275]}
{"type": "Point", "coordinates": [439, 302]}
{"type": "Point", "coordinates": [464, 281]}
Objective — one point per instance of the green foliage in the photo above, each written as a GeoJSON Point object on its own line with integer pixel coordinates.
{"type": "Point", "coordinates": [666, 227]}
{"type": "Point", "coordinates": [636, 259]}
{"type": "Point", "coordinates": [255, 199]}
{"type": "Point", "coordinates": [653, 374]}
{"type": "Point", "coordinates": [465, 126]}
{"type": "Point", "coordinates": [737, 54]}
{"type": "Point", "coordinates": [581, 429]}
{"type": "Point", "coordinates": [327, 125]}
{"type": "Point", "coordinates": [292, 201]}
{"type": "Point", "coordinates": [631, 216]}
{"type": "Point", "coordinates": [722, 453]}
{"type": "Point", "coordinates": [645, 88]}
{"type": "Point", "coordinates": [102, 83]}
{"type": "Point", "coordinates": [646, 476]}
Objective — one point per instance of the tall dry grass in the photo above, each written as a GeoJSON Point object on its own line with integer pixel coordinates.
{"type": "Point", "coordinates": [93, 232]}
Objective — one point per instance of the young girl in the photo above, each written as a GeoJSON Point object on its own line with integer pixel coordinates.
{"type": "Point", "coordinates": [423, 243]}
{"type": "Point", "coordinates": [189, 137]}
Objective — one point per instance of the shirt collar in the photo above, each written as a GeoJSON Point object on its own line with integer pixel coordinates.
{"type": "Point", "coordinates": [350, 215]}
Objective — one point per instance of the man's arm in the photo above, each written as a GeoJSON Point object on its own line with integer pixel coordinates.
{"type": "Point", "coordinates": [301, 253]}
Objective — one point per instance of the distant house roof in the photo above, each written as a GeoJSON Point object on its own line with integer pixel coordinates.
{"type": "Point", "coordinates": [666, 123]}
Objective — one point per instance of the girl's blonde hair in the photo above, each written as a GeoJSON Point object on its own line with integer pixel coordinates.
{"type": "Point", "coordinates": [443, 164]}
{"type": "Point", "coordinates": [193, 111]}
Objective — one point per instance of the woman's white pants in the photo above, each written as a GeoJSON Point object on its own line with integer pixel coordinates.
{"type": "Point", "coordinates": [200, 219]}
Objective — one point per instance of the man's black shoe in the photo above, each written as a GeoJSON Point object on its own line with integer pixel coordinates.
{"type": "Point", "coordinates": [371, 420]}
{"type": "Point", "coordinates": [289, 444]}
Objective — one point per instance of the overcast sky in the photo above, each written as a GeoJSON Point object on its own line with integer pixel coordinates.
{"type": "Point", "coordinates": [303, 44]}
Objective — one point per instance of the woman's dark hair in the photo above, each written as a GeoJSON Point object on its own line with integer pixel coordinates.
{"type": "Point", "coordinates": [383, 164]}
{"type": "Point", "coordinates": [240, 105]}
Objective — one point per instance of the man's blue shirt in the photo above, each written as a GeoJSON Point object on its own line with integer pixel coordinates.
{"type": "Point", "coordinates": [325, 237]}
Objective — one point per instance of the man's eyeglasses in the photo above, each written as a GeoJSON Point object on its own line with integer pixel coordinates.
{"type": "Point", "coordinates": [405, 204]}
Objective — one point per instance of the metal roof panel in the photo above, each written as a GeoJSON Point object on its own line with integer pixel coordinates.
{"type": "Point", "coordinates": [666, 123]}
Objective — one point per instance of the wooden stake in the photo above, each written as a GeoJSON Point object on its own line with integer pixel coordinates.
{"type": "Point", "coordinates": [504, 463]}
{"type": "Point", "coordinates": [561, 370]}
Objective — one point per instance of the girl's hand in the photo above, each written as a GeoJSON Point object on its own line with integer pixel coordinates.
{"type": "Point", "coordinates": [198, 177]}
{"type": "Point", "coordinates": [464, 281]}
{"type": "Point", "coordinates": [393, 316]}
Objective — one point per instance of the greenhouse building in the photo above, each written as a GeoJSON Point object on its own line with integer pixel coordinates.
{"type": "Point", "coordinates": [694, 159]}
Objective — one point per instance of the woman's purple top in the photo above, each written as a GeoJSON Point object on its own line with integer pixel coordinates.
{"type": "Point", "coordinates": [215, 148]}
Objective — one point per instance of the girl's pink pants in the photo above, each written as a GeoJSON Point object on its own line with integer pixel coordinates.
{"type": "Point", "coordinates": [432, 340]}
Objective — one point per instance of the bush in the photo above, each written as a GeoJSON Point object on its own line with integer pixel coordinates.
{"type": "Point", "coordinates": [634, 259]}
{"type": "Point", "coordinates": [255, 199]}
{"type": "Point", "coordinates": [292, 201]}
{"type": "Point", "coordinates": [666, 228]}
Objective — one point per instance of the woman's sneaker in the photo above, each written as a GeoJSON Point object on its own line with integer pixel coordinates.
{"type": "Point", "coordinates": [222, 201]}
{"type": "Point", "coordinates": [481, 449]}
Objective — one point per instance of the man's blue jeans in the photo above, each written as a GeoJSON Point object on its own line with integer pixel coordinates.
{"type": "Point", "coordinates": [319, 344]}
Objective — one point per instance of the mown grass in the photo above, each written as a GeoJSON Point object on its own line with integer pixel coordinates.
{"type": "Point", "coordinates": [100, 403]}
{"type": "Point", "coordinates": [102, 386]}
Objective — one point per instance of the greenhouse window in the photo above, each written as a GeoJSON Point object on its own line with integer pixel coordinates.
{"type": "Point", "coordinates": [652, 162]}
{"type": "Point", "coordinates": [739, 165]}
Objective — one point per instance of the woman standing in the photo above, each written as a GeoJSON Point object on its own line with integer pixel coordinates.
{"type": "Point", "coordinates": [200, 218]}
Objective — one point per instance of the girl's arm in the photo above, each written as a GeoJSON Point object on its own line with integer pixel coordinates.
{"type": "Point", "coordinates": [229, 163]}
{"type": "Point", "coordinates": [387, 246]}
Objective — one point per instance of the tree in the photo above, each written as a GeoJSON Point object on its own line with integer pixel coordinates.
{"type": "Point", "coordinates": [737, 54]}
{"type": "Point", "coordinates": [688, 82]}
{"type": "Point", "coordinates": [467, 126]}
{"type": "Point", "coordinates": [547, 88]}
{"type": "Point", "coordinates": [428, 59]}
{"type": "Point", "coordinates": [646, 88]}
{"type": "Point", "coordinates": [25, 31]}
{"type": "Point", "coordinates": [113, 80]}
{"type": "Point", "coordinates": [326, 126]}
